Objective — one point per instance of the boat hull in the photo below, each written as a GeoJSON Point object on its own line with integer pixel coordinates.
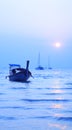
{"type": "Point", "coordinates": [20, 77]}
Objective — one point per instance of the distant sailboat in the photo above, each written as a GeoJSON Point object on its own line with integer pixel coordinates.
{"type": "Point", "coordinates": [39, 66]}
{"type": "Point", "coordinates": [49, 63]}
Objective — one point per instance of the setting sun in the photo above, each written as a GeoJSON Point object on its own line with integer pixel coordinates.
{"type": "Point", "coordinates": [57, 45]}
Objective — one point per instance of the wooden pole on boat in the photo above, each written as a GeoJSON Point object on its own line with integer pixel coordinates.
{"type": "Point", "coordinates": [27, 65]}
{"type": "Point", "coordinates": [27, 68]}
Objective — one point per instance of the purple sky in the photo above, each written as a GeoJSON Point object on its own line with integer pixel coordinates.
{"type": "Point", "coordinates": [33, 26]}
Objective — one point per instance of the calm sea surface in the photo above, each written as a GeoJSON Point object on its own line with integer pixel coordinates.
{"type": "Point", "coordinates": [44, 103]}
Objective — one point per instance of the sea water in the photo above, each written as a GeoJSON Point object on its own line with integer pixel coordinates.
{"type": "Point", "coordinates": [43, 103]}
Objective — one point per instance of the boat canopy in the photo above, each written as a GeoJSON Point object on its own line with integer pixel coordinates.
{"type": "Point", "coordinates": [14, 65]}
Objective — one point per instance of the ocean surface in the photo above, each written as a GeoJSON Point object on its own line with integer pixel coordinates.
{"type": "Point", "coordinates": [43, 103]}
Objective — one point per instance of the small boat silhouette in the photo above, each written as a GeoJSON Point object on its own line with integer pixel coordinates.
{"type": "Point", "coordinates": [16, 73]}
{"type": "Point", "coordinates": [49, 63]}
{"type": "Point", "coordinates": [39, 66]}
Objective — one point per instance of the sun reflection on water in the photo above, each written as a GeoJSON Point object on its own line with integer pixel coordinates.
{"type": "Point", "coordinates": [57, 106]}
{"type": "Point", "coordinates": [57, 91]}
{"type": "Point", "coordinates": [57, 126]}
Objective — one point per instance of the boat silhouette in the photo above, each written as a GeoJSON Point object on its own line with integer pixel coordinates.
{"type": "Point", "coordinates": [17, 73]}
{"type": "Point", "coordinates": [49, 63]}
{"type": "Point", "coordinates": [39, 66]}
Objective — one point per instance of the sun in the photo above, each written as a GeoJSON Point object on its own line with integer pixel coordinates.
{"type": "Point", "coordinates": [57, 44]}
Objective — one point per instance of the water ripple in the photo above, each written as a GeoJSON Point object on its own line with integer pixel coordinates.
{"type": "Point", "coordinates": [68, 83]}
{"type": "Point", "coordinates": [16, 107]}
{"type": "Point", "coordinates": [65, 118]}
{"type": "Point", "coordinates": [7, 118]}
{"type": "Point", "coordinates": [18, 88]}
{"type": "Point", "coordinates": [2, 93]}
{"type": "Point", "coordinates": [42, 117]}
{"type": "Point", "coordinates": [45, 100]}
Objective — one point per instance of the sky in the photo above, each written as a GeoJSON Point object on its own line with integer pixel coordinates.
{"type": "Point", "coordinates": [30, 27]}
